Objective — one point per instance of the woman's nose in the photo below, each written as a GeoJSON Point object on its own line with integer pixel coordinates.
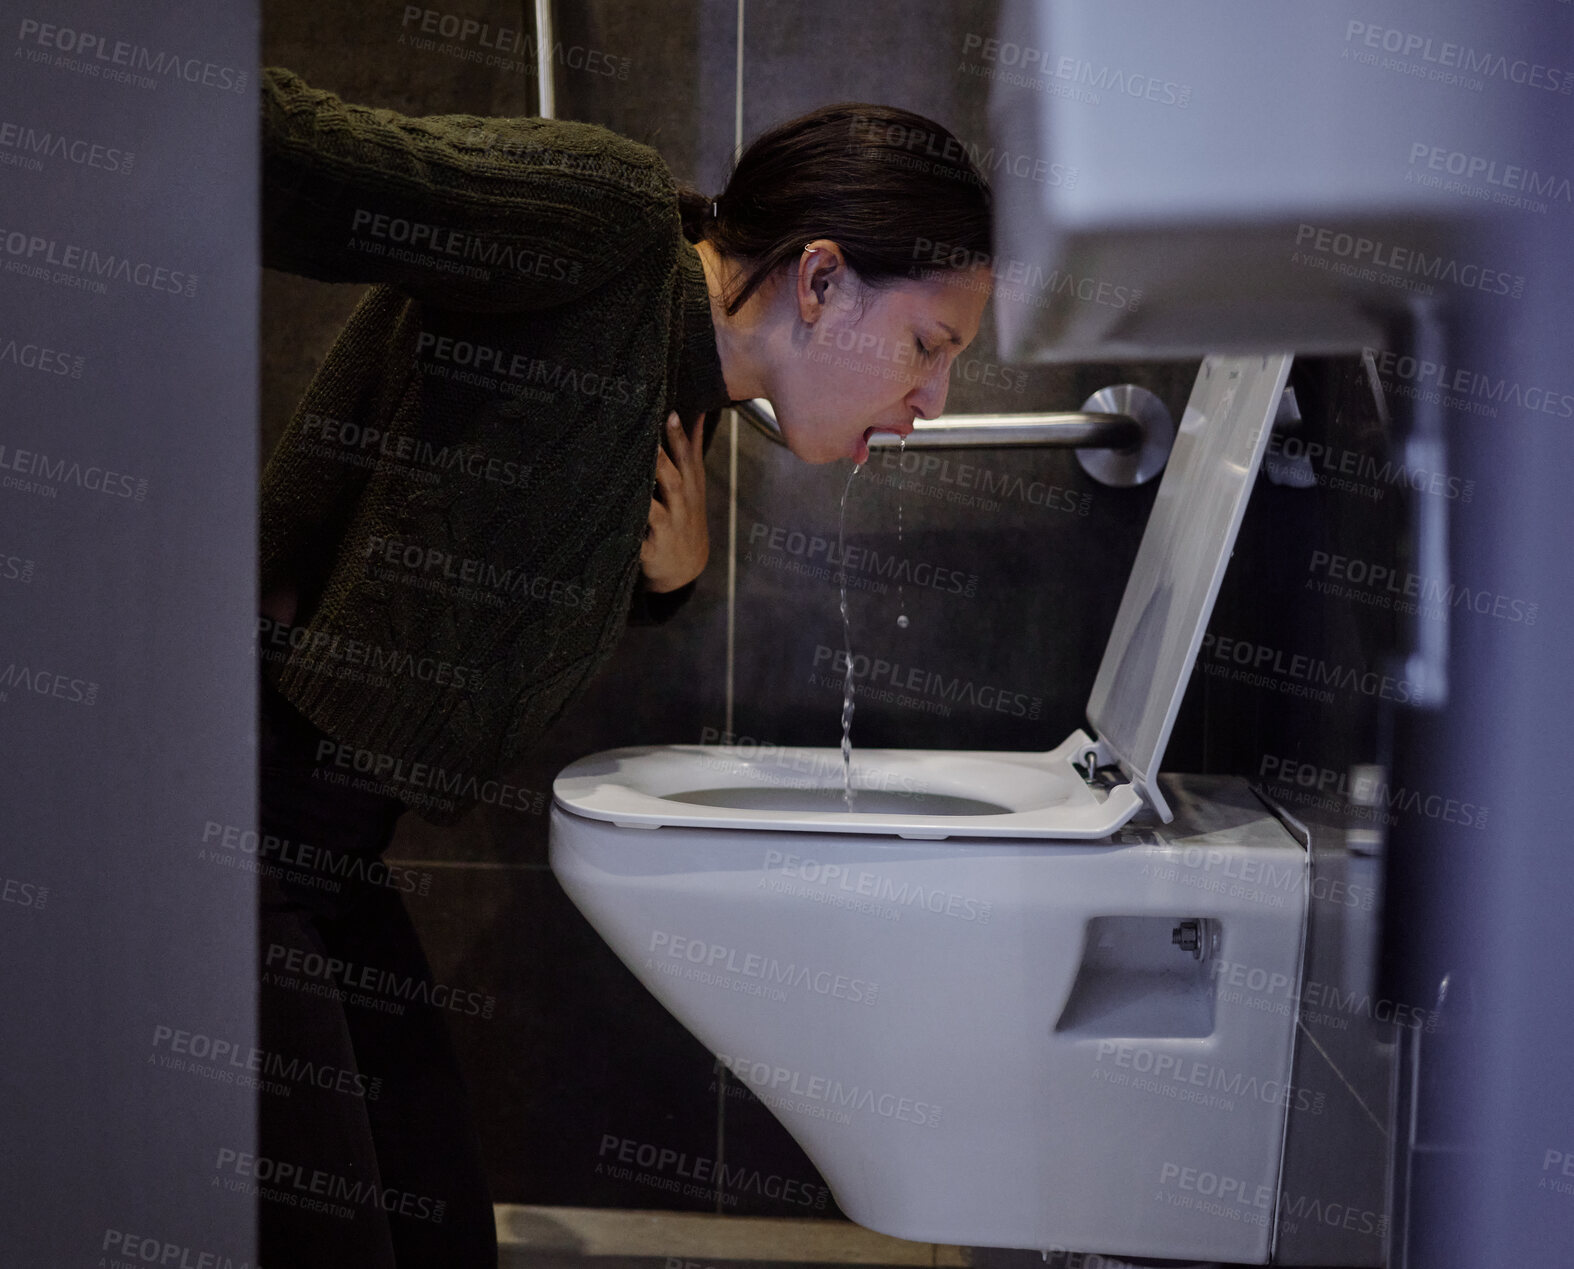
{"type": "Point", "coordinates": [927, 400]}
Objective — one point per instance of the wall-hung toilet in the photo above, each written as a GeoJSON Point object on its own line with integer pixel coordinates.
{"type": "Point", "coordinates": [987, 1000]}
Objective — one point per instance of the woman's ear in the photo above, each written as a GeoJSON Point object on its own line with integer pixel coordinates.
{"type": "Point", "coordinates": [819, 267]}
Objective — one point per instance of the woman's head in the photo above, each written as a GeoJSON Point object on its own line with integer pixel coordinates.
{"type": "Point", "coordinates": [854, 244]}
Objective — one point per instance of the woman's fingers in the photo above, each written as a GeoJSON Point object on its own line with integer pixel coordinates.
{"type": "Point", "coordinates": [676, 544]}
{"type": "Point", "coordinates": [656, 525]}
{"type": "Point", "coordinates": [697, 443]}
{"type": "Point", "coordinates": [688, 471]}
{"type": "Point", "coordinates": [694, 469]}
{"type": "Point", "coordinates": [669, 479]}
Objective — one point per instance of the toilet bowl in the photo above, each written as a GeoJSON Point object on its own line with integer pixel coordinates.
{"type": "Point", "coordinates": [979, 1041]}
{"type": "Point", "coordinates": [1002, 999]}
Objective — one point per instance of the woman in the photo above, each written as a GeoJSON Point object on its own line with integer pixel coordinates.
{"type": "Point", "coordinates": [497, 467]}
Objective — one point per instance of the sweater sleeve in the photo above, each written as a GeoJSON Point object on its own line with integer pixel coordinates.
{"type": "Point", "coordinates": [464, 212]}
{"type": "Point", "coordinates": [648, 608]}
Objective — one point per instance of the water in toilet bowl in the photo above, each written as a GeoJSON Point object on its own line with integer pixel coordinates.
{"type": "Point", "coordinates": [825, 798]}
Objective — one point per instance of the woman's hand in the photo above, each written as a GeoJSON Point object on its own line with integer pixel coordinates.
{"type": "Point", "coordinates": [677, 543]}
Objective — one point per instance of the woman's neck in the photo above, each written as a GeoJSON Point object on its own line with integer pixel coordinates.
{"type": "Point", "coordinates": [737, 335]}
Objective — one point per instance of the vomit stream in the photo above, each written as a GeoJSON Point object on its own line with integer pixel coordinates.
{"type": "Point", "coordinates": [901, 592]}
{"type": "Point", "coordinates": [847, 639]}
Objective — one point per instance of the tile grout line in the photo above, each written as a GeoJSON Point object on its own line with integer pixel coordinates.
{"type": "Point", "coordinates": [732, 573]}
{"type": "Point", "coordinates": [732, 427]}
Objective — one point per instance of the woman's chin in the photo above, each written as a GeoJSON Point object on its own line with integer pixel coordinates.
{"type": "Point", "coordinates": [817, 455]}
{"type": "Point", "coordinates": [819, 451]}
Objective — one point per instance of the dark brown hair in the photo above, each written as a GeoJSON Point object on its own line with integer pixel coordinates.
{"type": "Point", "coordinates": [896, 191]}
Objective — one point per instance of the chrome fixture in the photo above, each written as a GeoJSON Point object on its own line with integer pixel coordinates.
{"type": "Point", "coordinates": [1122, 434]}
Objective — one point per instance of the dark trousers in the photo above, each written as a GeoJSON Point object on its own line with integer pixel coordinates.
{"type": "Point", "coordinates": [367, 1151]}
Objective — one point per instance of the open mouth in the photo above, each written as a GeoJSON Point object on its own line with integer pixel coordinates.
{"type": "Point", "coordinates": [861, 446]}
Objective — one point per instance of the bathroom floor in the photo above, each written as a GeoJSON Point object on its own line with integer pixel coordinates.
{"type": "Point", "coordinates": [601, 1238]}
{"type": "Point", "coordinates": [569, 1260]}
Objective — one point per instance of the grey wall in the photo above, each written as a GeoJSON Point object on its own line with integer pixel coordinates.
{"type": "Point", "coordinates": [127, 601]}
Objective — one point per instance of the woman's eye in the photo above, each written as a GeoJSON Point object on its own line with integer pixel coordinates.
{"type": "Point", "coordinates": [922, 351]}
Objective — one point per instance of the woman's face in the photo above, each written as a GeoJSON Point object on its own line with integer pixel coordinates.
{"type": "Point", "coordinates": [853, 359]}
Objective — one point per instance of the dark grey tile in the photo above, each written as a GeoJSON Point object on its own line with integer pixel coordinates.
{"type": "Point", "coordinates": [578, 1070]}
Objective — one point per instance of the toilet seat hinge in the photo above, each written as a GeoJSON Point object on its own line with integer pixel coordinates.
{"type": "Point", "coordinates": [1091, 757]}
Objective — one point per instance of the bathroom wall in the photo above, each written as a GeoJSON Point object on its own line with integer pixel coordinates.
{"type": "Point", "coordinates": [128, 312]}
{"type": "Point", "coordinates": [1017, 562]}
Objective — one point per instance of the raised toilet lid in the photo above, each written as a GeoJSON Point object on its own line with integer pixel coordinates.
{"type": "Point", "coordinates": [1181, 561]}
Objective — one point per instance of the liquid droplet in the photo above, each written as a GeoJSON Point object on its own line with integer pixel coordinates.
{"type": "Point", "coordinates": [847, 637]}
{"type": "Point", "coordinates": [901, 592]}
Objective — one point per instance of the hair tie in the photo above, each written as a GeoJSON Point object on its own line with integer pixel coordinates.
{"type": "Point", "coordinates": [714, 214]}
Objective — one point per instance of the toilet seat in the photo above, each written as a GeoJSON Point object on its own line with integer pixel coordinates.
{"type": "Point", "coordinates": [1030, 794]}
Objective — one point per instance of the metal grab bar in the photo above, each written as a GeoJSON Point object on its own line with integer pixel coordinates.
{"type": "Point", "coordinates": [1124, 439]}
{"type": "Point", "coordinates": [1070, 429]}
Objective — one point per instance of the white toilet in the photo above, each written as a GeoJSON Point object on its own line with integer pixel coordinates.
{"type": "Point", "coordinates": [989, 1001]}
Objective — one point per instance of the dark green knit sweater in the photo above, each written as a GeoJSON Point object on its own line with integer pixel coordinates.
{"type": "Point", "coordinates": [461, 495]}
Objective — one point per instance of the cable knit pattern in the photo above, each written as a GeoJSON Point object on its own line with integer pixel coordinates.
{"type": "Point", "coordinates": [461, 494]}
